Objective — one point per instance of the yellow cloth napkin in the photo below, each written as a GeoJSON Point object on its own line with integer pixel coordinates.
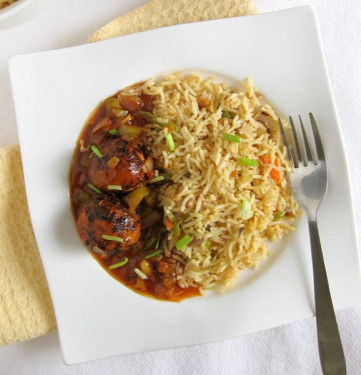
{"type": "Point", "coordinates": [25, 306]}
{"type": "Point", "coordinates": [160, 13]}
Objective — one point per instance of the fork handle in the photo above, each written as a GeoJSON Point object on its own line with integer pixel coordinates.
{"type": "Point", "coordinates": [329, 340]}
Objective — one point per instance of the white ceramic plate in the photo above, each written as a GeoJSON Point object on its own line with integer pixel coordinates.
{"type": "Point", "coordinates": [21, 11]}
{"type": "Point", "coordinates": [54, 93]}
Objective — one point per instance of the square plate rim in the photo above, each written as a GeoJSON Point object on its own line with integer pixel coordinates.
{"type": "Point", "coordinates": [15, 59]}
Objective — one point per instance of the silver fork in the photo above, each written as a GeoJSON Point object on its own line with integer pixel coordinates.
{"type": "Point", "coordinates": [309, 185]}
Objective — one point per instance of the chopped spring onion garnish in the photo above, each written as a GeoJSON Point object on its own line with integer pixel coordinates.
{"type": "Point", "coordinates": [119, 264]}
{"type": "Point", "coordinates": [94, 188]}
{"type": "Point", "coordinates": [249, 162]}
{"type": "Point", "coordinates": [156, 179]}
{"type": "Point", "coordinates": [150, 243]}
{"type": "Point", "coordinates": [114, 132]}
{"type": "Point", "coordinates": [170, 141]}
{"type": "Point", "coordinates": [279, 215]}
{"type": "Point", "coordinates": [112, 238]}
{"type": "Point", "coordinates": [183, 242]}
{"type": "Point", "coordinates": [158, 240]}
{"type": "Point", "coordinates": [169, 214]}
{"type": "Point", "coordinates": [226, 114]}
{"type": "Point", "coordinates": [208, 244]}
{"type": "Point", "coordinates": [177, 230]}
{"type": "Point", "coordinates": [114, 187]}
{"type": "Point", "coordinates": [140, 274]}
{"type": "Point", "coordinates": [153, 254]}
{"type": "Point", "coordinates": [246, 212]}
{"type": "Point", "coordinates": [96, 151]}
{"type": "Point", "coordinates": [231, 138]}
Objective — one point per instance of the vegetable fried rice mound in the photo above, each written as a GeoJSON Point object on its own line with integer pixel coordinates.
{"type": "Point", "coordinates": [229, 193]}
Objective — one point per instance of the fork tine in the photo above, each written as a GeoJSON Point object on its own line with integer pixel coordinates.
{"type": "Point", "coordinates": [297, 144]}
{"type": "Point", "coordinates": [317, 136]}
{"type": "Point", "coordinates": [307, 144]}
{"type": "Point", "coordinates": [288, 148]}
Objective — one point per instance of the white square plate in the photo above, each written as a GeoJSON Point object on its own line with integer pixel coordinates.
{"type": "Point", "coordinates": [55, 91]}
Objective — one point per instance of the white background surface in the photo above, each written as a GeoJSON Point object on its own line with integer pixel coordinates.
{"type": "Point", "coordinates": [290, 349]}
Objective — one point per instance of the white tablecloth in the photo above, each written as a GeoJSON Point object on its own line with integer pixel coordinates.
{"type": "Point", "coordinates": [291, 349]}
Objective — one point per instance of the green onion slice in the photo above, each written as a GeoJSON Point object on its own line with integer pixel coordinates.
{"type": "Point", "coordinates": [208, 244]}
{"type": "Point", "coordinates": [153, 254]}
{"type": "Point", "coordinates": [96, 151]}
{"type": "Point", "coordinates": [249, 162]}
{"type": "Point", "coordinates": [114, 132]}
{"type": "Point", "coordinates": [279, 215]}
{"type": "Point", "coordinates": [162, 177]}
{"type": "Point", "coordinates": [169, 213]}
{"type": "Point", "coordinates": [119, 264]}
{"type": "Point", "coordinates": [226, 114]}
{"type": "Point", "coordinates": [112, 238]}
{"type": "Point", "coordinates": [170, 141]}
{"type": "Point", "coordinates": [94, 188]}
{"type": "Point", "coordinates": [183, 242]}
{"type": "Point", "coordinates": [231, 138]}
{"type": "Point", "coordinates": [158, 240]}
{"type": "Point", "coordinates": [246, 212]}
{"type": "Point", "coordinates": [156, 179]}
{"type": "Point", "coordinates": [114, 187]}
{"type": "Point", "coordinates": [150, 243]}
{"type": "Point", "coordinates": [140, 274]}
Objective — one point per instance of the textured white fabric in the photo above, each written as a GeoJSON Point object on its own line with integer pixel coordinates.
{"type": "Point", "coordinates": [291, 349]}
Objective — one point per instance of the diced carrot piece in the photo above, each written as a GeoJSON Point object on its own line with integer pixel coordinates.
{"type": "Point", "coordinates": [168, 223]}
{"type": "Point", "coordinates": [276, 175]}
{"type": "Point", "coordinates": [265, 159]}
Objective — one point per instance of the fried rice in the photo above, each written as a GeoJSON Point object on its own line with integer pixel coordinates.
{"type": "Point", "coordinates": [229, 192]}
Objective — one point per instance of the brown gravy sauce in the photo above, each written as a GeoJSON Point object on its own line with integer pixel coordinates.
{"type": "Point", "coordinates": [160, 285]}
